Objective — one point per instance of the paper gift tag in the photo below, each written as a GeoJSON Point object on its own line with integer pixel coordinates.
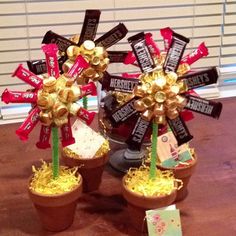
{"type": "Point", "coordinates": [164, 222]}
{"type": "Point", "coordinates": [168, 151]}
{"type": "Point", "coordinates": [87, 141]}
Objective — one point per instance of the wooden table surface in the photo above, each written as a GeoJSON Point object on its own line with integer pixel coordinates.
{"type": "Point", "coordinates": [209, 209]}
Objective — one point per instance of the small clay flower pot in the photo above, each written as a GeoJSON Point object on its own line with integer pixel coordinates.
{"type": "Point", "coordinates": [138, 205]}
{"type": "Point", "coordinates": [183, 173]}
{"type": "Point", "coordinates": [90, 169]}
{"type": "Point", "coordinates": [56, 212]}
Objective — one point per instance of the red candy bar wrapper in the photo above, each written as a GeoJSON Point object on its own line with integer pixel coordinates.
{"type": "Point", "coordinates": [198, 53]}
{"type": "Point", "coordinates": [130, 58]}
{"type": "Point", "coordinates": [154, 50]}
{"type": "Point", "coordinates": [88, 89]}
{"type": "Point", "coordinates": [187, 115]}
{"type": "Point", "coordinates": [44, 137]}
{"type": "Point", "coordinates": [66, 135]}
{"type": "Point", "coordinates": [166, 34]}
{"type": "Point", "coordinates": [129, 75]}
{"type": "Point", "coordinates": [28, 77]}
{"type": "Point", "coordinates": [18, 97]}
{"type": "Point", "coordinates": [79, 65]}
{"type": "Point", "coordinates": [28, 125]}
{"type": "Point", "coordinates": [85, 115]}
{"type": "Point", "coordinates": [50, 51]}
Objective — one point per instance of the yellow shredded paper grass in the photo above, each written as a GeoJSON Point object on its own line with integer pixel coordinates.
{"type": "Point", "coordinates": [44, 183]}
{"type": "Point", "coordinates": [138, 181]}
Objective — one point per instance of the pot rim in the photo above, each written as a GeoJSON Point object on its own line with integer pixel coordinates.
{"type": "Point", "coordinates": [142, 196]}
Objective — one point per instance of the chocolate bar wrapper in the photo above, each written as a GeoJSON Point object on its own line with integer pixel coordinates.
{"type": "Point", "coordinates": [180, 130]}
{"type": "Point", "coordinates": [135, 139]}
{"type": "Point", "coordinates": [175, 52]}
{"type": "Point", "coordinates": [118, 83]}
{"type": "Point", "coordinates": [109, 103]}
{"type": "Point", "coordinates": [39, 67]}
{"type": "Point", "coordinates": [62, 42]}
{"type": "Point", "coordinates": [90, 25]}
{"type": "Point", "coordinates": [123, 113]}
{"type": "Point", "coordinates": [142, 52]}
{"type": "Point", "coordinates": [117, 56]}
{"type": "Point", "coordinates": [200, 78]}
{"type": "Point", "coordinates": [113, 36]}
{"type": "Point", "coordinates": [204, 106]}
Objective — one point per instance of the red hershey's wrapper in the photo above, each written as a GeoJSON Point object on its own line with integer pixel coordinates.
{"type": "Point", "coordinates": [28, 125]}
{"type": "Point", "coordinates": [85, 115]}
{"type": "Point", "coordinates": [44, 137]}
{"type": "Point", "coordinates": [66, 134]}
{"type": "Point", "coordinates": [19, 97]}
{"type": "Point", "coordinates": [28, 77]}
{"type": "Point", "coordinates": [50, 51]}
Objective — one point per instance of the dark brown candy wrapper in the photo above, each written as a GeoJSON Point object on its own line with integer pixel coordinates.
{"type": "Point", "coordinates": [204, 106]}
{"type": "Point", "coordinates": [200, 78]}
{"type": "Point", "coordinates": [118, 83]}
{"type": "Point", "coordinates": [39, 67]}
{"type": "Point", "coordinates": [175, 52]}
{"type": "Point", "coordinates": [140, 129]}
{"type": "Point", "coordinates": [117, 56]}
{"type": "Point", "coordinates": [123, 113]}
{"type": "Point", "coordinates": [62, 42]}
{"type": "Point", "coordinates": [90, 25]}
{"type": "Point", "coordinates": [113, 36]}
{"type": "Point", "coordinates": [109, 103]}
{"type": "Point", "coordinates": [180, 130]}
{"type": "Point", "coordinates": [142, 52]}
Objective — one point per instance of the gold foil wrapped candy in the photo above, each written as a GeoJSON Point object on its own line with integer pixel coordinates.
{"type": "Point", "coordinates": [96, 56]}
{"type": "Point", "coordinates": [159, 96]}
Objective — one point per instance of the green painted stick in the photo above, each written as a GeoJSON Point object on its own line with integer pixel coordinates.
{"type": "Point", "coordinates": [85, 102]}
{"type": "Point", "coordinates": [152, 174]}
{"type": "Point", "coordinates": [55, 152]}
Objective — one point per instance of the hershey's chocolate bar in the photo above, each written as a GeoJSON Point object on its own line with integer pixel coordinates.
{"type": "Point", "coordinates": [140, 129]}
{"type": "Point", "coordinates": [204, 106]}
{"type": "Point", "coordinates": [39, 67]}
{"type": "Point", "coordinates": [62, 42]}
{"type": "Point", "coordinates": [201, 78]}
{"type": "Point", "coordinates": [118, 83]}
{"type": "Point", "coordinates": [117, 56]}
{"type": "Point", "coordinates": [113, 36]}
{"type": "Point", "coordinates": [180, 130]}
{"type": "Point", "coordinates": [175, 52]}
{"type": "Point", "coordinates": [142, 52]}
{"type": "Point", "coordinates": [90, 25]}
{"type": "Point", "coordinates": [123, 113]}
{"type": "Point", "coordinates": [109, 103]}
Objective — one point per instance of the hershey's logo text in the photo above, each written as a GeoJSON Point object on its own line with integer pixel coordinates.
{"type": "Point", "coordinates": [144, 56]}
{"type": "Point", "coordinates": [122, 85]}
{"type": "Point", "coordinates": [197, 80]}
{"type": "Point", "coordinates": [124, 112]}
{"type": "Point", "coordinates": [179, 128]}
{"type": "Point", "coordinates": [174, 55]}
{"type": "Point", "coordinates": [201, 106]}
{"type": "Point", "coordinates": [140, 131]}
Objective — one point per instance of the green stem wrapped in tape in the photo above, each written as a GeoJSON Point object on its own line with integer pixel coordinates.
{"type": "Point", "coordinates": [85, 102]}
{"type": "Point", "coordinates": [152, 173]}
{"type": "Point", "coordinates": [55, 152]}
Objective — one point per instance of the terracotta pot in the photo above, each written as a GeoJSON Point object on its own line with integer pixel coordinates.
{"type": "Point", "coordinates": [90, 169]}
{"type": "Point", "coordinates": [138, 205]}
{"type": "Point", "coordinates": [184, 173]}
{"type": "Point", "coordinates": [56, 212]}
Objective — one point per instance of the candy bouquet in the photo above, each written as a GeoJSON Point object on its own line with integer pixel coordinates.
{"type": "Point", "coordinates": [158, 96]}
{"type": "Point", "coordinates": [53, 102]}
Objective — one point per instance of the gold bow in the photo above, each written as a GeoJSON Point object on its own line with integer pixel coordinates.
{"type": "Point", "coordinates": [56, 100]}
{"type": "Point", "coordinates": [159, 96]}
{"type": "Point", "coordinates": [97, 57]}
